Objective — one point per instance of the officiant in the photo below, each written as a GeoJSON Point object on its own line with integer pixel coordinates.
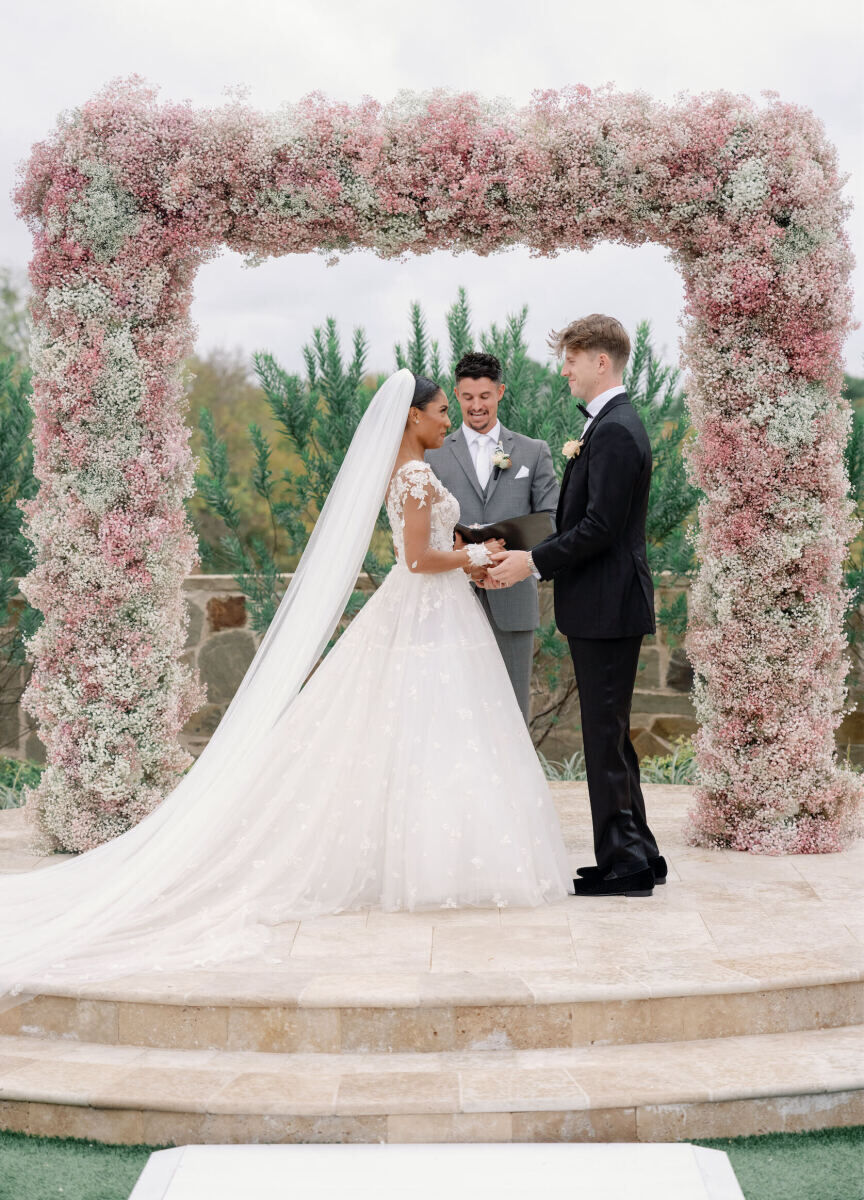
{"type": "Point", "coordinates": [495, 473]}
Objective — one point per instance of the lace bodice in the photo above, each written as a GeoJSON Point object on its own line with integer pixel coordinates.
{"type": "Point", "coordinates": [417, 479]}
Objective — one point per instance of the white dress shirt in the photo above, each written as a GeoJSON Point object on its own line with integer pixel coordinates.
{"type": "Point", "coordinates": [600, 402]}
{"type": "Point", "coordinates": [481, 447]}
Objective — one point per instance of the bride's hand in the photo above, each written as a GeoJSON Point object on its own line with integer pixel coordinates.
{"type": "Point", "coordinates": [475, 574]}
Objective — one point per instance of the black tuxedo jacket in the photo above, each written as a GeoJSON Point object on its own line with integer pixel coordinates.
{"type": "Point", "coordinates": [598, 558]}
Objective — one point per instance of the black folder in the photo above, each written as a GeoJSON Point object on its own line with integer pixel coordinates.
{"type": "Point", "coordinates": [517, 533]}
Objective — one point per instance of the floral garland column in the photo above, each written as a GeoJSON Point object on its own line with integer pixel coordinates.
{"type": "Point", "coordinates": [769, 307]}
{"type": "Point", "coordinates": [108, 688]}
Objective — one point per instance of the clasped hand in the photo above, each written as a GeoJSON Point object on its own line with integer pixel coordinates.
{"type": "Point", "coordinates": [508, 566]}
{"type": "Point", "coordinates": [479, 575]}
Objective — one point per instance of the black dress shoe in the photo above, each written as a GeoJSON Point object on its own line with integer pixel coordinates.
{"type": "Point", "coordinates": [640, 883]}
{"type": "Point", "coordinates": [657, 864]}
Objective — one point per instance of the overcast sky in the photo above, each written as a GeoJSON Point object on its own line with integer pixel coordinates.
{"type": "Point", "coordinates": [57, 53]}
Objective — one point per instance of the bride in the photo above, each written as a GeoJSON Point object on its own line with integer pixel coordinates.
{"type": "Point", "coordinates": [401, 775]}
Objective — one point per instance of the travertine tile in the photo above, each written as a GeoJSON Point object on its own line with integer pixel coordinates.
{"type": "Point", "coordinates": [60, 1016]}
{"type": "Point", "coordinates": [517, 1026]}
{"type": "Point", "coordinates": [376, 988]}
{"type": "Point", "coordinates": [602, 981]}
{"type": "Point", "coordinates": [585, 1125]}
{"type": "Point", "coordinates": [286, 1093]}
{"type": "Point", "coordinates": [474, 987]}
{"type": "Point", "coordinates": [176, 1090]}
{"type": "Point", "coordinates": [545, 914]}
{"type": "Point", "coordinates": [112, 1125]}
{"type": "Point", "coordinates": [408, 942]}
{"type": "Point", "coordinates": [9, 1064]}
{"type": "Point", "coordinates": [60, 1082]}
{"type": "Point", "coordinates": [172, 1025]}
{"type": "Point", "coordinates": [173, 1128]}
{"type": "Point", "coordinates": [627, 1021]}
{"type": "Point", "coordinates": [96, 1052]}
{"type": "Point", "coordinates": [398, 1093]}
{"type": "Point", "coordinates": [383, 1029]}
{"type": "Point", "coordinates": [13, 1116]}
{"type": "Point", "coordinates": [284, 1029]}
{"type": "Point", "coordinates": [515, 948]}
{"type": "Point", "coordinates": [226, 1129]}
{"type": "Point", "coordinates": [507, 1090]}
{"type": "Point", "coordinates": [451, 1127]}
{"type": "Point", "coordinates": [744, 1118]}
{"type": "Point", "coordinates": [482, 918]}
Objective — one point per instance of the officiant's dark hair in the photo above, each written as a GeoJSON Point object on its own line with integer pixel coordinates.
{"type": "Point", "coordinates": [478, 366]}
{"type": "Point", "coordinates": [425, 391]}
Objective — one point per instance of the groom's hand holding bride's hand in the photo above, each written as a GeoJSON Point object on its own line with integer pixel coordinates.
{"type": "Point", "coordinates": [478, 575]}
{"type": "Point", "coordinates": [509, 567]}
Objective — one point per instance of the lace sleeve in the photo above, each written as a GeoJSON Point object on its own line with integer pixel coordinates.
{"type": "Point", "coordinates": [415, 479]}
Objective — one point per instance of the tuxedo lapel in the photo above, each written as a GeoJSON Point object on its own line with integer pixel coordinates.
{"type": "Point", "coordinates": [615, 402]}
{"type": "Point", "coordinates": [507, 442]}
{"type": "Point", "coordinates": [463, 456]}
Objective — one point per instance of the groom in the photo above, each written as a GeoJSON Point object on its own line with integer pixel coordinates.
{"type": "Point", "coordinates": [604, 597]}
{"type": "Point", "coordinates": [521, 481]}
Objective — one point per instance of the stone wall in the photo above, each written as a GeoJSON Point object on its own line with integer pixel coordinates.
{"type": "Point", "coordinates": [221, 644]}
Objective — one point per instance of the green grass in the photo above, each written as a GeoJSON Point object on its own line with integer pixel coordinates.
{"type": "Point", "coordinates": [41, 1168]}
{"type": "Point", "coordinates": [827, 1164]}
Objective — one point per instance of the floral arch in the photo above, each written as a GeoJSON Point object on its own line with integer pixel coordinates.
{"type": "Point", "coordinates": [129, 196]}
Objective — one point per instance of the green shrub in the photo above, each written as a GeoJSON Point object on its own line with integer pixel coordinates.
{"type": "Point", "coordinates": [15, 775]}
{"type": "Point", "coordinates": [677, 767]}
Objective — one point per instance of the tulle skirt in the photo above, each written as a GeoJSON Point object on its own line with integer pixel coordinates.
{"type": "Point", "coordinates": [401, 776]}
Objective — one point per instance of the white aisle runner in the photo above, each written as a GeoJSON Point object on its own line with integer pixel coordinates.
{"type": "Point", "coordinates": [439, 1172]}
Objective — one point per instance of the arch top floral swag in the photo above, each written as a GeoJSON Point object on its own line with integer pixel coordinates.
{"type": "Point", "coordinates": [128, 196]}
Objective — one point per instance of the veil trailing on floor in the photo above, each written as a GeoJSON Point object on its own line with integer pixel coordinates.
{"type": "Point", "coordinates": [163, 893]}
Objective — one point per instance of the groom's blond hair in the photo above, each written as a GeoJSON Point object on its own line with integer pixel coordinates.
{"type": "Point", "coordinates": [596, 332]}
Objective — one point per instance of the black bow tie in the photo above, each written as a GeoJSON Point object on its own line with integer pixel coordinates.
{"type": "Point", "coordinates": [584, 411]}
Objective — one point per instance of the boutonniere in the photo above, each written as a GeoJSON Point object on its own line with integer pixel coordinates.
{"type": "Point", "coordinates": [571, 449]}
{"type": "Point", "coordinates": [501, 459]}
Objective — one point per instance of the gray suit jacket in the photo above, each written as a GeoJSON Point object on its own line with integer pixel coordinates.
{"type": "Point", "coordinates": [507, 496]}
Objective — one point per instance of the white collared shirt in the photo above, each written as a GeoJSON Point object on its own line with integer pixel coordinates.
{"type": "Point", "coordinates": [482, 441]}
{"type": "Point", "coordinates": [597, 405]}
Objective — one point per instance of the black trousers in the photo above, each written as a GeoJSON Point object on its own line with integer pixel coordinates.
{"type": "Point", "coordinates": [606, 675]}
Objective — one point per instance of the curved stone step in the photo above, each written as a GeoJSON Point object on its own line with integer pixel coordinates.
{"type": "Point", "coordinates": [348, 1014]}
{"type": "Point", "coordinates": [648, 1092]}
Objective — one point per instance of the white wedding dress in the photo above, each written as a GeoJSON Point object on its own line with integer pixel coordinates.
{"type": "Point", "coordinates": [400, 776]}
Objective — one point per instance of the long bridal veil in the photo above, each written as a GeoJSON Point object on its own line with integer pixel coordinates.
{"type": "Point", "coordinates": [164, 892]}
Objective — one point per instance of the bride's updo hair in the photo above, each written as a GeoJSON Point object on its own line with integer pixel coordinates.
{"type": "Point", "coordinates": [425, 390]}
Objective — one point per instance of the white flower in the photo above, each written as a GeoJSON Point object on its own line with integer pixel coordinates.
{"type": "Point", "coordinates": [789, 419]}
{"type": "Point", "coordinates": [747, 187]}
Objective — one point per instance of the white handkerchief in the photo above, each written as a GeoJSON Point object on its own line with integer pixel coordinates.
{"type": "Point", "coordinates": [522, 472]}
